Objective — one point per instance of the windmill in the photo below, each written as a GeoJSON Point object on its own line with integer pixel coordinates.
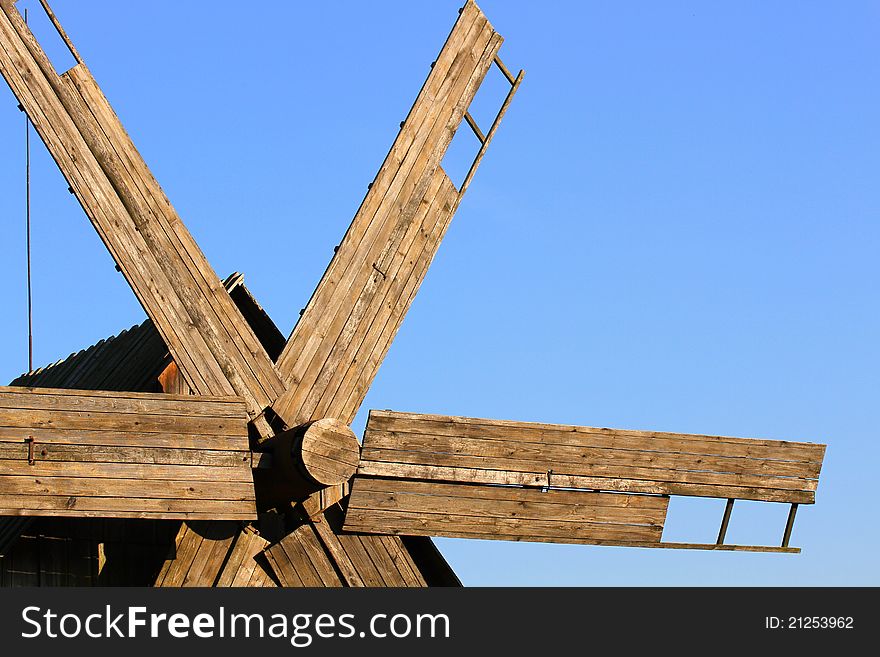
{"type": "Point", "coordinates": [203, 448]}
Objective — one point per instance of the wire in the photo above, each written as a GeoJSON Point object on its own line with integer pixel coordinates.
{"type": "Point", "coordinates": [27, 145]}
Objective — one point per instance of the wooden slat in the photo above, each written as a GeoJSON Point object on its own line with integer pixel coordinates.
{"type": "Point", "coordinates": [78, 487]}
{"type": "Point", "coordinates": [401, 445]}
{"type": "Point", "coordinates": [573, 456]}
{"type": "Point", "coordinates": [563, 434]}
{"type": "Point", "coordinates": [240, 566]}
{"type": "Point", "coordinates": [101, 401]}
{"type": "Point", "coordinates": [346, 329]}
{"type": "Point", "coordinates": [201, 551]}
{"type": "Point", "coordinates": [114, 438]}
{"type": "Point", "coordinates": [174, 569]}
{"type": "Point", "coordinates": [299, 560]}
{"type": "Point", "coordinates": [404, 562]}
{"type": "Point", "coordinates": [119, 474]}
{"type": "Point", "coordinates": [319, 553]}
{"type": "Point", "coordinates": [510, 478]}
{"type": "Point", "coordinates": [445, 509]}
{"type": "Point", "coordinates": [206, 334]}
{"type": "Point", "coordinates": [337, 553]}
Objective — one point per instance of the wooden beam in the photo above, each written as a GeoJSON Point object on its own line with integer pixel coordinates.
{"type": "Point", "coordinates": [214, 348]}
{"type": "Point", "coordinates": [135, 455]}
{"type": "Point", "coordinates": [347, 327]}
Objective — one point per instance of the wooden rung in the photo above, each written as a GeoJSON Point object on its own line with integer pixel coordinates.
{"type": "Point", "coordinates": [789, 524]}
{"type": "Point", "coordinates": [725, 521]}
{"type": "Point", "coordinates": [475, 127]}
{"type": "Point", "coordinates": [510, 94]}
{"type": "Point", "coordinates": [504, 70]}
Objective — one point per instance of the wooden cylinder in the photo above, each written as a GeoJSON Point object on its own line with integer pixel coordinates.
{"type": "Point", "coordinates": [325, 452]}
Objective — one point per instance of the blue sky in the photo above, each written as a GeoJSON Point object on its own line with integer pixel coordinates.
{"type": "Point", "coordinates": [675, 229]}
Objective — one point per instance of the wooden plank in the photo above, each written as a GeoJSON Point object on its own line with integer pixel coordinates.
{"type": "Point", "coordinates": [379, 555]}
{"type": "Point", "coordinates": [127, 471]}
{"type": "Point", "coordinates": [360, 560]}
{"type": "Point", "coordinates": [509, 478]}
{"type": "Point", "coordinates": [509, 502]}
{"type": "Point", "coordinates": [467, 450]}
{"type": "Point", "coordinates": [53, 474]}
{"type": "Point", "coordinates": [176, 566]}
{"type": "Point", "coordinates": [105, 454]}
{"type": "Point", "coordinates": [240, 566]}
{"type": "Point", "coordinates": [104, 401]}
{"type": "Point", "coordinates": [403, 560]}
{"type": "Point", "coordinates": [300, 560]}
{"type": "Point", "coordinates": [563, 468]}
{"type": "Point", "coordinates": [406, 524]}
{"type": "Point", "coordinates": [187, 489]}
{"type": "Point", "coordinates": [579, 456]}
{"type": "Point", "coordinates": [128, 507]}
{"type": "Point", "coordinates": [202, 549]}
{"type": "Point", "coordinates": [126, 439]}
{"type": "Point", "coordinates": [338, 554]}
{"type": "Point", "coordinates": [408, 507]}
{"type": "Point", "coordinates": [359, 303]}
{"type": "Point", "coordinates": [208, 561]}
{"type": "Point", "coordinates": [284, 568]}
{"type": "Point", "coordinates": [563, 434]}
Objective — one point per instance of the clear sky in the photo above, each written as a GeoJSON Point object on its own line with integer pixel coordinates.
{"type": "Point", "coordinates": [676, 228]}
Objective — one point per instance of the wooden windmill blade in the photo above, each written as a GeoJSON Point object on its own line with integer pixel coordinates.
{"type": "Point", "coordinates": [436, 475]}
{"type": "Point", "coordinates": [347, 327]}
{"type": "Point", "coordinates": [214, 348]}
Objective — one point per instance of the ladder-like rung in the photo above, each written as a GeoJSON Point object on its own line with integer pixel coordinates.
{"type": "Point", "coordinates": [488, 138]}
{"type": "Point", "coordinates": [475, 127]}
{"type": "Point", "coordinates": [504, 70]}
{"type": "Point", "coordinates": [789, 524]}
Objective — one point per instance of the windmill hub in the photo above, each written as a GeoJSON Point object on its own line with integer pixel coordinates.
{"type": "Point", "coordinates": [326, 452]}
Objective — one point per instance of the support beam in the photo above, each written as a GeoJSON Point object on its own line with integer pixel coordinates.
{"type": "Point", "coordinates": [725, 521]}
{"type": "Point", "coordinates": [789, 525]}
{"type": "Point", "coordinates": [347, 327]}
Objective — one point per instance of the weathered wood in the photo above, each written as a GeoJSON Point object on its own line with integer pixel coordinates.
{"type": "Point", "coordinates": [563, 434]}
{"type": "Point", "coordinates": [346, 329]}
{"type": "Point", "coordinates": [325, 452]}
{"type": "Point", "coordinates": [318, 553]}
{"type": "Point", "coordinates": [401, 445]}
{"type": "Point", "coordinates": [131, 464]}
{"type": "Point", "coordinates": [444, 509]}
{"type": "Point", "coordinates": [200, 552]}
{"type": "Point", "coordinates": [213, 346]}
{"type": "Point", "coordinates": [337, 552]}
{"type": "Point", "coordinates": [242, 568]}
{"type": "Point", "coordinates": [300, 560]}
